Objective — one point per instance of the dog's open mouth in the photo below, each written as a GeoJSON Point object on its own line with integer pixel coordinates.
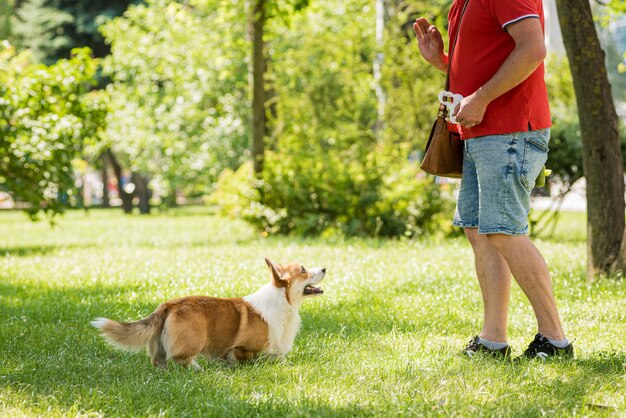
{"type": "Point", "coordinates": [312, 290]}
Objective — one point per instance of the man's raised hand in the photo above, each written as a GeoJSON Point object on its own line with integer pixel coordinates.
{"type": "Point", "coordinates": [430, 43]}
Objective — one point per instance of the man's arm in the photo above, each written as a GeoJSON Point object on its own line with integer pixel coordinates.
{"type": "Point", "coordinates": [529, 52]}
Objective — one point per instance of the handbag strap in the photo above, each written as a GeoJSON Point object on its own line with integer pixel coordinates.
{"type": "Point", "coordinates": [453, 45]}
{"type": "Point", "coordinates": [443, 110]}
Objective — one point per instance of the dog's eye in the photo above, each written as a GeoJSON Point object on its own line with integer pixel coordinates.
{"type": "Point", "coordinates": [303, 270]}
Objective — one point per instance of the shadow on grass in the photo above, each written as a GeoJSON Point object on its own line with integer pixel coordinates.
{"type": "Point", "coordinates": [39, 250]}
{"type": "Point", "coordinates": [570, 385]}
{"type": "Point", "coordinates": [360, 317]}
{"type": "Point", "coordinates": [30, 251]}
{"type": "Point", "coordinates": [53, 358]}
{"type": "Point", "coordinates": [603, 362]}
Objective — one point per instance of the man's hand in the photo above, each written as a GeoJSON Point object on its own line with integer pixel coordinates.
{"type": "Point", "coordinates": [470, 111]}
{"type": "Point", "coordinates": [430, 44]}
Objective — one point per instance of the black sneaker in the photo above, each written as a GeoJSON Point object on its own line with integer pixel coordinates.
{"type": "Point", "coordinates": [541, 348]}
{"type": "Point", "coordinates": [475, 347]}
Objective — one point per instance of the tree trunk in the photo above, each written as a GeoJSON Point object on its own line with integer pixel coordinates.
{"type": "Point", "coordinates": [379, 58]}
{"type": "Point", "coordinates": [142, 191]}
{"type": "Point", "coordinates": [620, 264]}
{"type": "Point", "coordinates": [257, 23]}
{"type": "Point", "coordinates": [106, 202]}
{"type": "Point", "coordinates": [271, 101]}
{"type": "Point", "coordinates": [127, 198]}
{"type": "Point", "coordinates": [602, 160]}
{"type": "Point", "coordinates": [86, 190]}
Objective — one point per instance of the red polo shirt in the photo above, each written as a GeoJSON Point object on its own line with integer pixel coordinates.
{"type": "Point", "coordinates": [482, 46]}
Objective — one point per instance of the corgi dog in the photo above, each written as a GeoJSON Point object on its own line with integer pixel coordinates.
{"type": "Point", "coordinates": [233, 329]}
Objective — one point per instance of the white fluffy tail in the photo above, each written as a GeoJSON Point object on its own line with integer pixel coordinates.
{"type": "Point", "coordinates": [133, 336]}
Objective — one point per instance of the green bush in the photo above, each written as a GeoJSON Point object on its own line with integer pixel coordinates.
{"type": "Point", "coordinates": [326, 198]}
{"type": "Point", "coordinates": [332, 195]}
{"type": "Point", "coordinates": [48, 114]}
{"type": "Point", "coordinates": [235, 191]}
{"type": "Point", "coordinates": [414, 204]}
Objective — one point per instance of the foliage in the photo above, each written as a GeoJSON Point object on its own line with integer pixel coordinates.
{"type": "Point", "coordinates": [614, 62]}
{"type": "Point", "coordinates": [6, 11]}
{"type": "Point", "coordinates": [180, 112]}
{"type": "Point", "coordinates": [410, 83]}
{"type": "Point", "coordinates": [616, 6]}
{"type": "Point", "coordinates": [337, 204]}
{"type": "Point", "coordinates": [334, 195]}
{"type": "Point", "coordinates": [51, 28]}
{"type": "Point", "coordinates": [565, 159]}
{"type": "Point", "coordinates": [179, 99]}
{"type": "Point", "coordinates": [283, 11]}
{"type": "Point", "coordinates": [605, 14]}
{"type": "Point", "coordinates": [236, 192]}
{"type": "Point", "coordinates": [47, 115]}
{"type": "Point", "coordinates": [38, 27]}
{"type": "Point", "coordinates": [607, 18]}
{"type": "Point", "coordinates": [325, 171]}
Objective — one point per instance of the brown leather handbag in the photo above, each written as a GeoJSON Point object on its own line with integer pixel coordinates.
{"type": "Point", "coordinates": [444, 150]}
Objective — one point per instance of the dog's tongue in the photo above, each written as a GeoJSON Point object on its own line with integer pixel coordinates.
{"type": "Point", "coordinates": [312, 290]}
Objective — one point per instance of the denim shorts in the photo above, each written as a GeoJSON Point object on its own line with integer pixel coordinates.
{"type": "Point", "coordinates": [499, 172]}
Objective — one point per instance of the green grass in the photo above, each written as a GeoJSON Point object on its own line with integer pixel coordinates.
{"type": "Point", "coordinates": [383, 340]}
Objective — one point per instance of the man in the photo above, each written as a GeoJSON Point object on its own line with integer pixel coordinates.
{"type": "Point", "coordinates": [504, 118]}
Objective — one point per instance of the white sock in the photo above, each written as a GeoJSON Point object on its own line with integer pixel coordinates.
{"type": "Point", "coordinates": [492, 345]}
{"type": "Point", "coordinates": [560, 344]}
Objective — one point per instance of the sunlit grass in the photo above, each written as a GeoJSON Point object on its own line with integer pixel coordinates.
{"type": "Point", "coordinates": [383, 340]}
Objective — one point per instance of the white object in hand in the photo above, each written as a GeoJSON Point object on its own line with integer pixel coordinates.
{"type": "Point", "coordinates": [450, 100]}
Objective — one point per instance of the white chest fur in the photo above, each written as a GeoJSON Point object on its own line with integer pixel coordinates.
{"type": "Point", "coordinates": [282, 318]}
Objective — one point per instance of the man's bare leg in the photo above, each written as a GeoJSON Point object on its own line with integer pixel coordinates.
{"type": "Point", "coordinates": [494, 278]}
{"type": "Point", "coordinates": [531, 273]}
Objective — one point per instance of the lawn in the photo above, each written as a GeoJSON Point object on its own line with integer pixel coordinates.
{"type": "Point", "coordinates": [384, 339]}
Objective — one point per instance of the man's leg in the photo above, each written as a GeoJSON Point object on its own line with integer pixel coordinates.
{"type": "Point", "coordinates": [531, 273]}
{"type": "Point", "coordinates": [507, 167]}
{"type": "Point", "coordinates": [494, 278]}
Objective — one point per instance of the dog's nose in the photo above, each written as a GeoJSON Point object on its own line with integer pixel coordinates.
{"type": "Point", "coordinates": [324, 270]}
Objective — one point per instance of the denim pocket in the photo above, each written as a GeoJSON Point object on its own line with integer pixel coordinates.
{"type": "Point", "coordinates": [540, 142]}
{"type": "Point", "coordinates": [535, 156]}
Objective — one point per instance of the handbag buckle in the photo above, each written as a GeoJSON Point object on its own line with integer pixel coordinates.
{"type": "Point", "coordinates": [449, 100]}
{"type": "Point", "coordinates": [443, 111]}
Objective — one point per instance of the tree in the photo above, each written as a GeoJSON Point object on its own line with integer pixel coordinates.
{"type": "Point", "coordinates": [38, 27]}
{"type": "Point", "coordinates": [259, 67]}
{"type": "Point", "coordinates": [6, 11]}
{"type": "Point", "coordinates": [47, 116]}
{"type": "Point", "coordinates": [379, 59]}
{"type": "Point", "coordinates": [260, 12]}
{"type": "Point", "coordinates": [186, 119]}
{"type": "Point", "coordinates": [51, 28]}
{"type": "Point", "coordinates": [602, 160]}
{"type": "Point", "coordinates": [179, 94]}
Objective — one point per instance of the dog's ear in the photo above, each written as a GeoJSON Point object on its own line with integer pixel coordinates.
{"type": "Point", "coordinates": [278, 277]}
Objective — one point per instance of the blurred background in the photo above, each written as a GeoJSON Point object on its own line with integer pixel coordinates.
{"type": "Point", "coordinates": [304, 117]}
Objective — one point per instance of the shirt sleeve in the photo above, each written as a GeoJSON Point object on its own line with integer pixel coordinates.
{"type": "Point", "coordinates": [511, 11]}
